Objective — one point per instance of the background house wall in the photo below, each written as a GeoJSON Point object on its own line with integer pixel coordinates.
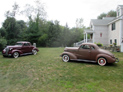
{"type": "Point", "coordinates": [114, 34]}
{"type": "Point", "coordinates": [101, 30]}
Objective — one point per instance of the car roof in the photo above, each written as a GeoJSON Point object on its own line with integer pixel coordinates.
{"type": "Point", "coordinates": [23, 42]}
{"type": "Point", "coordinates": [90, 44]}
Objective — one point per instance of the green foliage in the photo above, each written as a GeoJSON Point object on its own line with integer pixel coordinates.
{"type": "Point", "coordinates": [38, 30]}
{"type": "Point", "coordinates": [3, 43]}
{"type": "Point", "coordinates": [99, 44]}
{"type": "Point", "coordinates": [45, 72]}
{"type": "Point", "coordinates": [109, 14]}
{"type": "Point", "coordinates": [114, 44]}
{"type": "Point", "coordinates": [42, 40]}
{"type": "Point", "coordinates": [112, 13]}
{"type": "Point", "coordinates": [101, 16]}
{"type": "Point", "coordinates": [3, 32]}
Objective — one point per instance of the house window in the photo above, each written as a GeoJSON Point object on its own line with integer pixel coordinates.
{"type": "Point", "coordinates": [100, 34]}
{"type": "Point", "coordinates": [115, 41]}
{"type": "Point", "coordinates": [113, 26]}
{"type": "Point", "coordinates": [118, 13]}
{"type": "Point", "coordinates": [110, 41]}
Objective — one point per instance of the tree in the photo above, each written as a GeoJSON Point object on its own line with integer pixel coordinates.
{"type": "Point", "coordinates": [11, 29]}
{"type": "Point", "coordinates": [101, 16]}
{"type": "Point", "coordinates": [112, 13]}
{"type": "Point", "coordinates": [3, 42]}
{"type": "Point", "coordinates": [32, 33]}
{"type": "Point", "coordinates": [3, 32]}
{"type": "Point", "coordinates": [109, 14]}
{"type": "Point", "coordinates": [35, 11]}
{"type": "Point", "coordinates": [79, 23]}
{"type": "Point", "coordinates": [14, 11]}
{"type": "Point", "coordinates": [21, 28]}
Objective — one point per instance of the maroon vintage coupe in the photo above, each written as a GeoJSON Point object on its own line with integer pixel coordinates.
{"type": "Point", "coordinates": [88, 52]}
{"type": "Point", "coordinates": [20, 48]}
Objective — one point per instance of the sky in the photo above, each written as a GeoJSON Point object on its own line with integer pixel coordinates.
{"type": "Point", "coordinates": [65, 11]}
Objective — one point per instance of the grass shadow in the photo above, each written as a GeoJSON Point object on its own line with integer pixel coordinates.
{"type": "Point", "coordinates": [92, 63]}
{"type": "Point", "coordinates": [83, 62]}
{"type": "Point", "coordinates": [19, 56]}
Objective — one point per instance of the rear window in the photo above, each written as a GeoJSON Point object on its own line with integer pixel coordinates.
{"type": "Point", "coordinates": [85, 47]}
{"type": "Point", "coordinates": [19, 44]}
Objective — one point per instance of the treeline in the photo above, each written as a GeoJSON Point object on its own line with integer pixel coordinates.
{"type": "Point", "coordinates": [37, 29]}
{"type": "Point", "coordinates": [44, 33]}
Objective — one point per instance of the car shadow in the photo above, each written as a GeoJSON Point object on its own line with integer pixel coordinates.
{"type": "Point", "coordinates": [94, 63]}
{"type": "Point", "coordinates": [19, 56]}
{"type": "Point", "coordinates": [91, 63]}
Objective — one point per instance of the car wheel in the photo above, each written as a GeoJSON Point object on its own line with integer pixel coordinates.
{"type": "Point", "coordinates": [34, 52]}
{"type": "Point", "coordinates": [15, 54]}
{"type": "Point", "coordinates": [102, 61]}
{"type": "Point", "coordinates": [65, 58]}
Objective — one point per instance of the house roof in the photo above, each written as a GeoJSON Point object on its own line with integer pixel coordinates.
{"type": "Point", "coordinates": [121, 6]}
{"type": "Point", "coordinates": [103, 21]}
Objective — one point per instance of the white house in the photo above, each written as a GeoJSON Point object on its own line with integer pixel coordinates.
{"type": "Point", "coordinates": [108, 30]}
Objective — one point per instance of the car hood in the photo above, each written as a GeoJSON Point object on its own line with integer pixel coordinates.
{"type": "Point", "coordinates": [71, 49]}
{"type": "Point", "coordinates": [13, 46]}
{"type": "Point", "coordinates": [106, 52]}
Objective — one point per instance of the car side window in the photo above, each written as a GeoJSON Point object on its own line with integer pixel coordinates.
{"type": "Point", "coordinates": [26, 44]}
{"type": "Point", "coordinates": [92, 48]}
{"type": "Point", "coordinates": [85, 47]}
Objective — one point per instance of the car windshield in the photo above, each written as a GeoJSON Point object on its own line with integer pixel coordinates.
{"type": "Point", "coordinates": [19, 44]}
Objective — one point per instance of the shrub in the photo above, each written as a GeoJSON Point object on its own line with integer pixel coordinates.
{"type": "Point", "coordinates": [3, 43]}
{"type": "Point", "coordinates": [114, 44]}
{"type": "Point", "coordinates": [99, 44]}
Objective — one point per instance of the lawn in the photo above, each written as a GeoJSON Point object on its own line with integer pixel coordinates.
{"type": "Point", "coordinates": [45, 72]}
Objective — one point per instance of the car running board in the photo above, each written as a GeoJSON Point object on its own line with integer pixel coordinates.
{"type": "Point", "coordinates": [26, 53]}
{"type": "Point", "coordinates": [83, 60]}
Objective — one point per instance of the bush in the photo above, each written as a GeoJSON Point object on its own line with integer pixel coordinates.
{"type": "Point", "coordinates": [99, 44]}
{"type": "Point", "coordinates": [3, 43]}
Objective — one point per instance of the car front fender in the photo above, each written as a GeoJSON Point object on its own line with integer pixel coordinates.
{"type": "Point", "coordinates": [71, 55]}
{"type": "Point", "coordinates": [107, 57]}
{"type": "Point", "coordinates": [20, 52]}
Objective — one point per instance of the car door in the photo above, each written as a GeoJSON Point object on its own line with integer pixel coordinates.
{"type": "Point", "coordinates": [30, 47]}
{"type": "Point", "coordinates": [84, 52]}
{"type": "Point", "coordinates": [26, 48]}
{"type": "Point", "coordinates": [94, 53]}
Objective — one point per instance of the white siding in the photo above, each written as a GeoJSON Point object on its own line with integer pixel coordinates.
{"type": "Point", "coordinates": [114, 34]}
{"type": "Point", "coordinates": [104, 31]}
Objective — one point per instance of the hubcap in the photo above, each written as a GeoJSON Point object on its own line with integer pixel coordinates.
{"type": "Point", "coordinates": [102, 61]}
{"type": "Point", "coordinates": [16, 55]}
{"type": "Point", "coordinates": [65, 58]}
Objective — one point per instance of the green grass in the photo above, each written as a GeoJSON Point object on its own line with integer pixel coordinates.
{"type": "Point", "coordinates": [45, 72]}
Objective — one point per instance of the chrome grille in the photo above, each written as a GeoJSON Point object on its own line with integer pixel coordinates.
{"type": "Point", "coordinates": [7, 50]}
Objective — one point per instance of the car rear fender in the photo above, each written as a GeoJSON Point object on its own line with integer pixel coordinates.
{"type": "Point", "coordinates": [107, 57]}
{"type": "Point", "coordinates": [35, 49]}
{"type": "Point", "coordinates": [71, 55]}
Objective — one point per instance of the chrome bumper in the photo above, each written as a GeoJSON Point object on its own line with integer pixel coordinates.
{"type": "Point", "coordinates": [117, 60]}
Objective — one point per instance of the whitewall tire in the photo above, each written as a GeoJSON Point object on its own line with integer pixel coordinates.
{"type": "Point", "coordinates": [102, 61]}
{"type": "Point", "coordinates": [65, 58]}
{"type": "Point", "coordinates": [34, 52]}
{"type": "Point", "coordinates": [15, 54]}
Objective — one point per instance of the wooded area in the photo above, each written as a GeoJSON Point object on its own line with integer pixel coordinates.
{"type": "Point", "coordinates": [37, 29]}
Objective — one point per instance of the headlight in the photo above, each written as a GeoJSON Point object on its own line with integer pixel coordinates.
{"type": "Point", "coordinates": [10, 49]}
{"type": "Point", "coordinates": [4, 50]}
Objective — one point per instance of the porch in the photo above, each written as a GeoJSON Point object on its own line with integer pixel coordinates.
{"type": "Point", "coordinates": [87, 32]}
{"type": "Point", "coordinates": [86, 38]}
